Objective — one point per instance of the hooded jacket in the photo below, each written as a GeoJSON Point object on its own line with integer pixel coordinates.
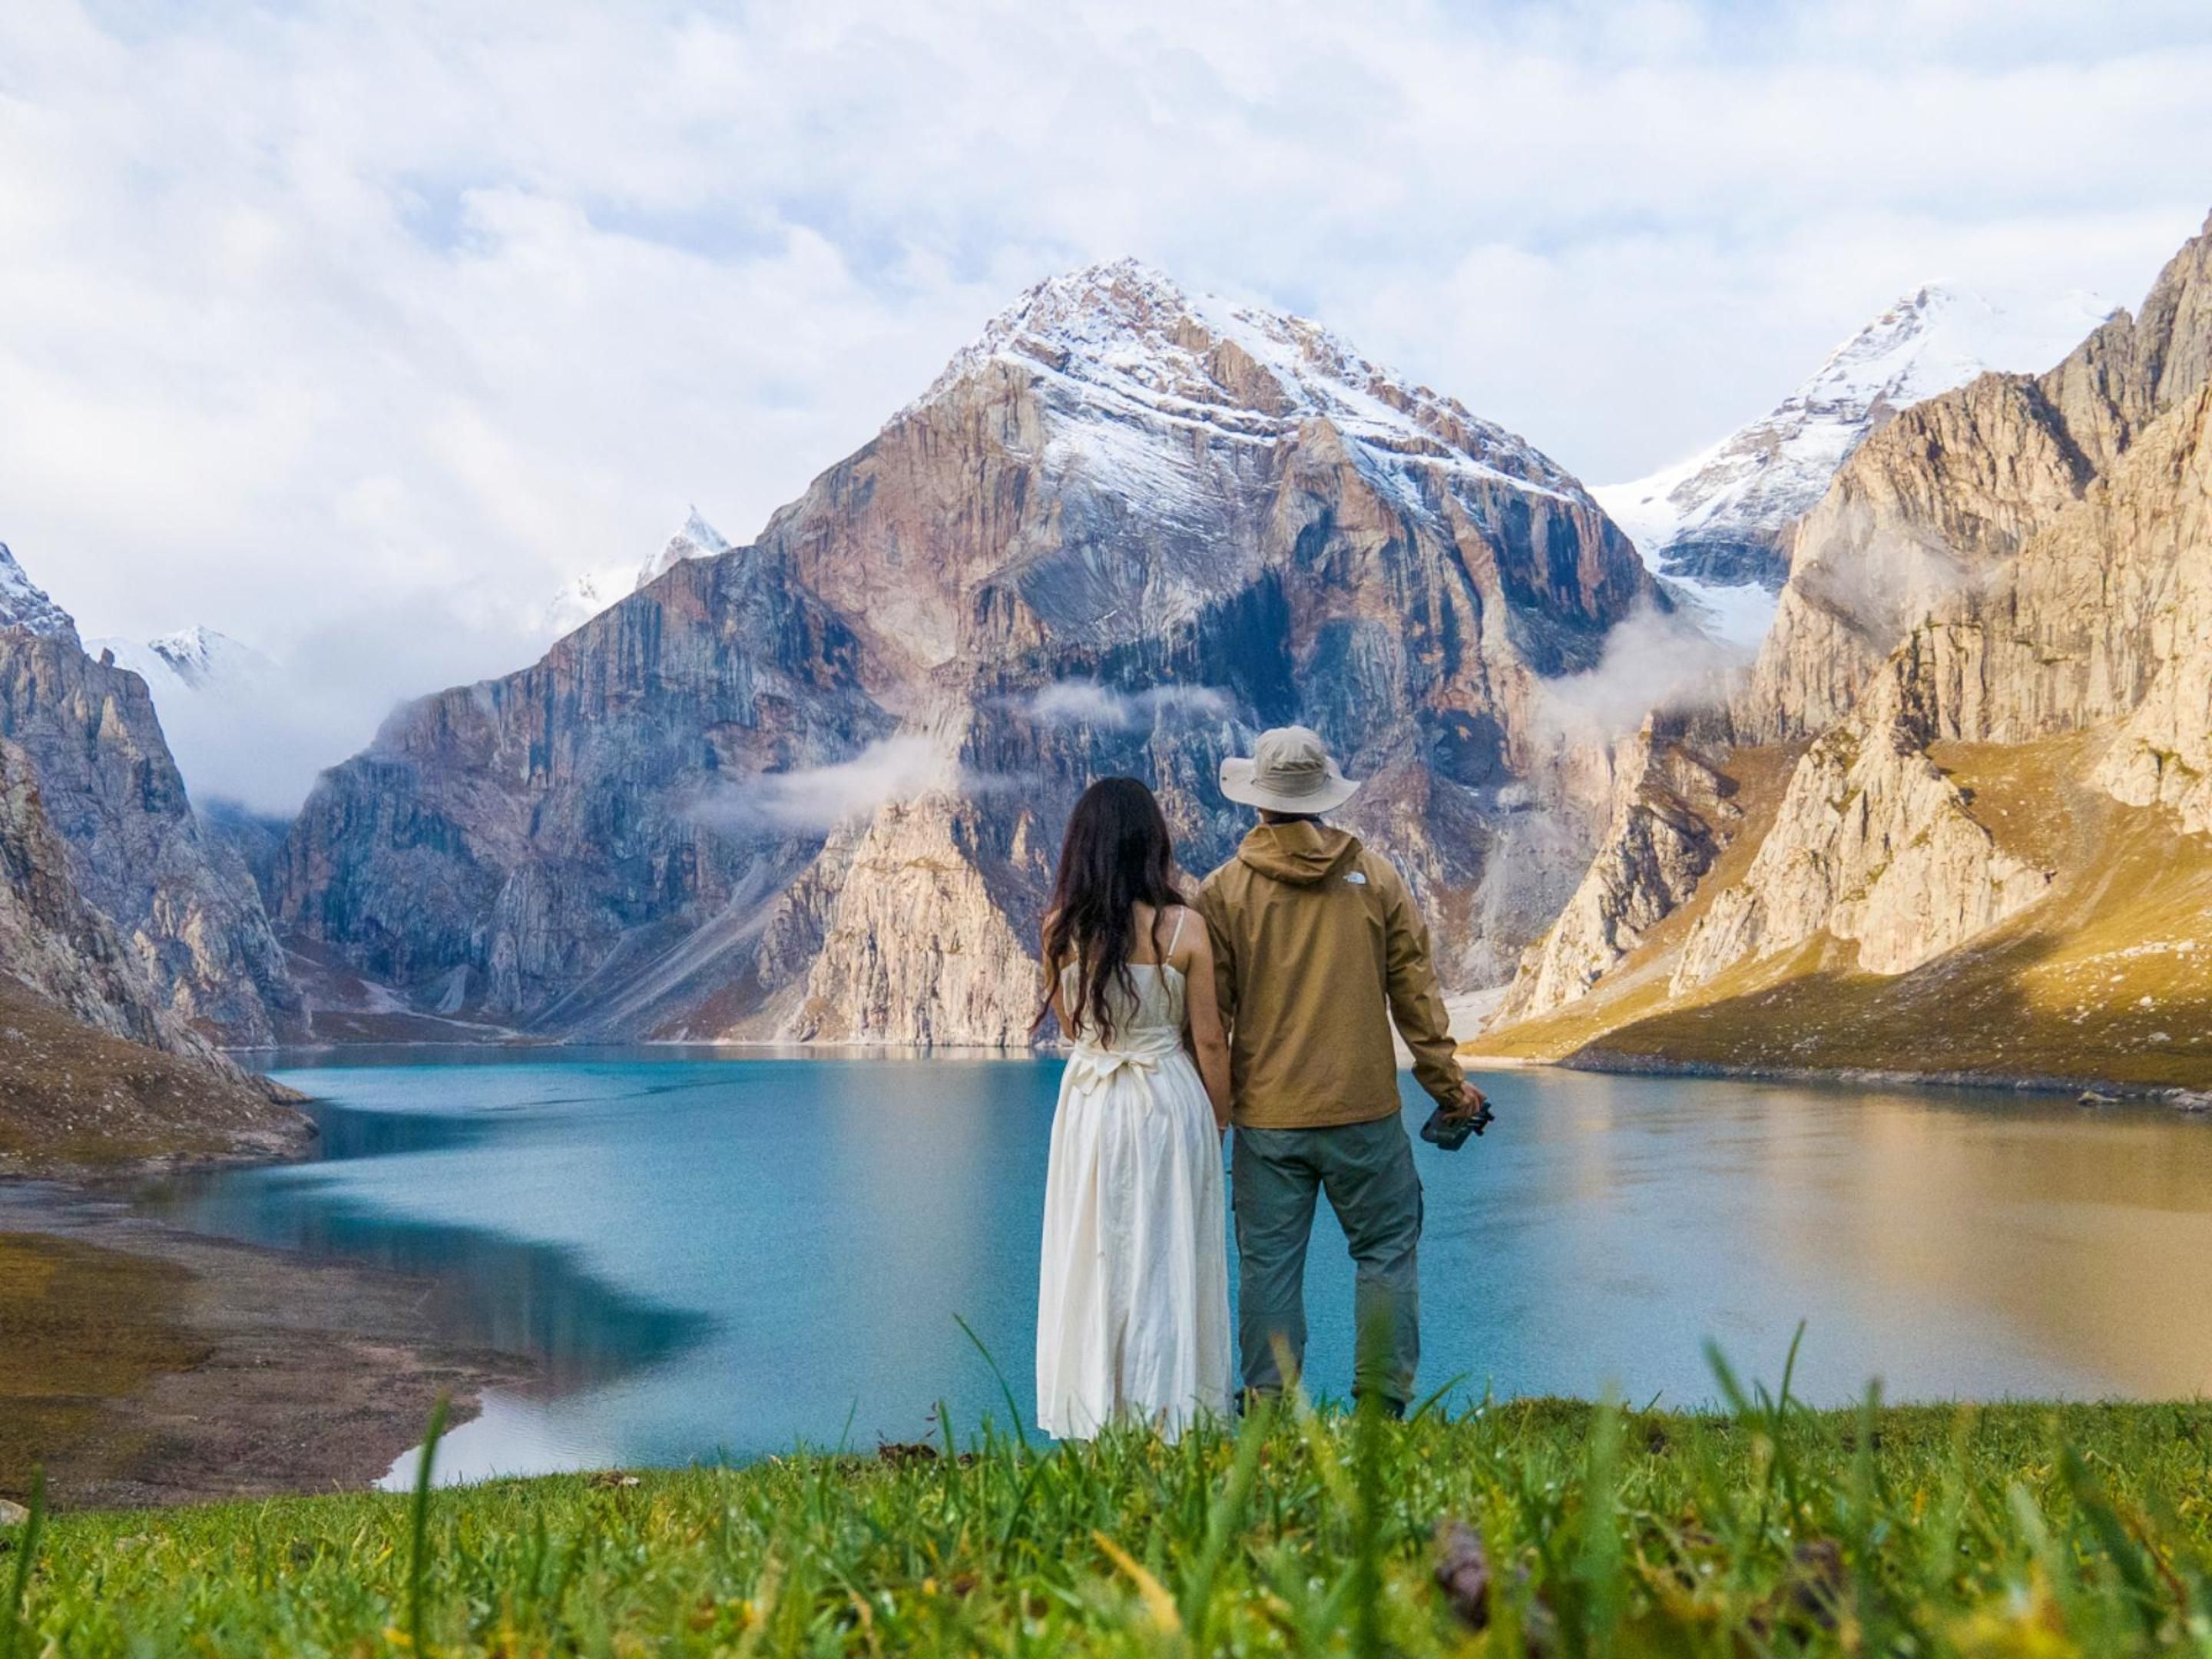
{"type": "Point", "coordinates": [1317, 948]}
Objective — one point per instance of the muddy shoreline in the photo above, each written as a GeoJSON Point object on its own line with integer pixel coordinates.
{"type": "Point", "coordinates": [314, 1375]}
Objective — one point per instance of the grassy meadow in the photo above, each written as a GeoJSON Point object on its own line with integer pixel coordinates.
{"type": "Point", "coordinates": [1544, 1526]}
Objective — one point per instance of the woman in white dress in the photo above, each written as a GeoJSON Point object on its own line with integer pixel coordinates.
{"type": "Point", "coordinates": [1132, 1299]}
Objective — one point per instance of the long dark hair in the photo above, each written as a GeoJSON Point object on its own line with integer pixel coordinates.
{"type": "Point", "coordinates": [1117, 855]}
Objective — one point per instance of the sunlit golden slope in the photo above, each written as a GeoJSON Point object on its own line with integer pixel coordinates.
{"type": "Point", "coordinates": [2107, 979]}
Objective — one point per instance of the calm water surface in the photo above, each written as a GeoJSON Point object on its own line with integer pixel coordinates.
{"type": "Point", "coordinates": [721, 1256]}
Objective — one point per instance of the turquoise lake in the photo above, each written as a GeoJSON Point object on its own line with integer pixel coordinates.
{"type": "Point", "coordinates": [721, 1257]}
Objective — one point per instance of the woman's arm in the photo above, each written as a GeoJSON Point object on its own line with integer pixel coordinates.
{"type": "Point", "coordinates": [1194, 957]}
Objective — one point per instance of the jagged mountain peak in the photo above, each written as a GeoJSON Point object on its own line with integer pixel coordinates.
{"type": "Point", "coordinates": [585, 595]}
{"type": "Point", "coordinates": [1941, 335]}
{"type": "Point", "coordinates": [24, 604]}
{"type": "Point", "coordinates": [1105, 302]}
{"type": "Point", "coordinates": [1716, 522]}
{"type": "Point", "coordinates": [697, 539]}
{"type": "Point", "coordinates": [1123, 341]}
{"type": "Point", "coordinates": [700, 533]}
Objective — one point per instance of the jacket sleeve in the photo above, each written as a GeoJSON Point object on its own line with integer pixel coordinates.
{"type": "Point", "coordinates": [1417, 1001]}
{"type": "Point", "coordinates": [1224, 952]}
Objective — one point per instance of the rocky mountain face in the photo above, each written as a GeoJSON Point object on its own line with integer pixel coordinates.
{"type": "Point", "coordinates": [812, 787]}
{"type": "Point", "coordinates": [100, 1058]}
{"type": "Point", "coordinates": [54, 943]}
{"type": "Point", "coordinates": [90, 742]}
{"type": "Point", "coordinates": [1720, 523]}
{"type": "Point", "coordinates": [1673, 811]}
{"type": "Point", "coordinates": [2009, 582]}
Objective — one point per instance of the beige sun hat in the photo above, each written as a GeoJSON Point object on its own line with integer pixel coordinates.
{"type": "Point", "coordinates": [1291, 771]}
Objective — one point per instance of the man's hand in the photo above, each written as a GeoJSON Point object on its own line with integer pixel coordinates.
{"type": "Point", "coordinates": [1471, 1102]}
{"type": "Point", "coordinates": [1456, 1118]}
{"type": "Point", "coordinates": [1472, 1106]}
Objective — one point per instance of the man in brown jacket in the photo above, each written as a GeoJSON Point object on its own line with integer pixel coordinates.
{"type": "Point", "coordinates": [1317, 949]}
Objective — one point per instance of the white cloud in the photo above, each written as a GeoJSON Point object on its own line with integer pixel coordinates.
{"type": "Point", "coordinates": [372, 323]}
{"type": "Point", "coordinates": [1086, 703]}
{"type": "Point", "coordinates": [1653, 660]}
{"type": "Point", "coordinates": [820, 798]}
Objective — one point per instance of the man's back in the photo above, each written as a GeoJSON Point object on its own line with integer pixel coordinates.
{"type": "Point", "coordinates": [1317, 946]}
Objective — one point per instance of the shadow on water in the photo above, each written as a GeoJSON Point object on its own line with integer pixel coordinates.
{"type": "Point", "coordinates": [342, 1135]}
{"type": "Point", "coordinates": [486, 1287]}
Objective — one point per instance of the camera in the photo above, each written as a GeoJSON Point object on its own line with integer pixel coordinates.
{"type": "Point", "coordinates": [1450, 1132]}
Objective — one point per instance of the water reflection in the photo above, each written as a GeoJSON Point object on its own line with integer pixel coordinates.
{"type": "Point", "coordinates": [2082, 1234]}
{"type": "Point", "coordinates": [485, 1287]}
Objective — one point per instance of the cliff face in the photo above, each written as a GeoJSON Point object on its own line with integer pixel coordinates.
{"type": "Point", "coordinates": [2016, 568]}
{"type": "Point", "coordinates": [1675, 810]}
{"type": "Point", "coordinates": [94, 1064]}
{"type": "Point", "coordinates": [915, 946]}
{"type": "Point", "coordinates": [501, 844]}
{"type": "Point", "coordinates": [184, 905]}
{"type": "Point", "coordinates": [1874, 845]}
{"type": "Point", "coordinates": [812, 787]}
{"type": "Point", "coordinates": [54, 943]}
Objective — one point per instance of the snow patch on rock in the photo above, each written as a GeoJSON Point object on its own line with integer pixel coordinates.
{"type": "Point", "coordinates": [25, 604]}
{"type": "Point", "coordinates": [196, 659]}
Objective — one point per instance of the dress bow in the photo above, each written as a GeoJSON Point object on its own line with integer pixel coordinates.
{"type": "Point", "coordinates": [1090, 1065]}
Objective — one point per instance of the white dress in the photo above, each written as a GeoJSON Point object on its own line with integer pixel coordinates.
{"type": "Point", "coordinates": [1132, 1300]}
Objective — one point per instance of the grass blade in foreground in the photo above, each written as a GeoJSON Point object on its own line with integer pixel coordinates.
{"type": "Point", "coordinates": [1933, 1530]}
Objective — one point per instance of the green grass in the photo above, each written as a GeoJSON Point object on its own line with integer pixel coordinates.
{"type": "Point", "coordinates": [1763, 1528]}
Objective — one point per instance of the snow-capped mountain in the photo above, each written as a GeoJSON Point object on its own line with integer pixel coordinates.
{"type": "Point", "coordinates": [595, 590]}
{"type": "Point", "coordinates": [193, 659]}
{"type": "Point", "coordinates": [233, 718]}
{"type": "Point", "coordinates": [1717, 523]}
{"type": "Point", "coordinates": [1123, 344]}
{"type": "Point", "coordinates": [23, 603]}
{"type": "Point", "coordinates": [809, 788]}
{"type": "Point", "coordinates": [697, 539]}
{"type": "Point", "coordinates": [87, 733]}
{"type": "Point", "coordinates": [1157, 418]}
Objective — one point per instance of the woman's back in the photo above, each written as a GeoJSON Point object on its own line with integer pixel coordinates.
{"type": "Point", "coordinates": [1133, 1290]}
{"type": "Point", "coordinates": [1150, 1004]}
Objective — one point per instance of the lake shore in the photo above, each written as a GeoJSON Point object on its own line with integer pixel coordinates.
{"type": "Point", "coordinates": [1615, 1063]}
{"type": "Point", "coordinates": [169, 1368]}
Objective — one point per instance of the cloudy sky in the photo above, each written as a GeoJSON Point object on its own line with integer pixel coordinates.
{"type": "Point", "coordinates": [355, 329]}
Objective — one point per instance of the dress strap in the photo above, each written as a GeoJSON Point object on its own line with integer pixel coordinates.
{"type": "Point", "coordinates": [1182, 914]}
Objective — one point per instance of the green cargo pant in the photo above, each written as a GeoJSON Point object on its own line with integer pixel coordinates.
{"type": "Point", "coordinates": [1367, 1171]}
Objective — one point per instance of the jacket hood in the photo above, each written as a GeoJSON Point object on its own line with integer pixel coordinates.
{"type": "Point", "coordinates": [1298, 853]}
